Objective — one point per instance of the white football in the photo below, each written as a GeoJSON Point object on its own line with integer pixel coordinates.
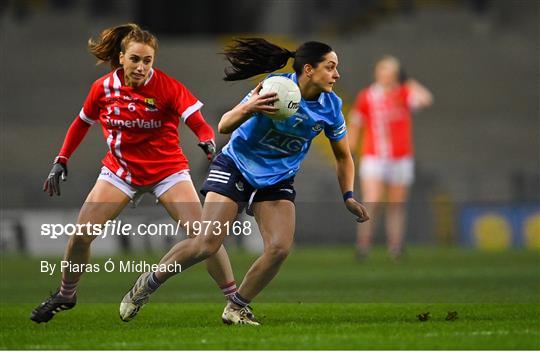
{"type": "Point", "coordinates": [288, 95]}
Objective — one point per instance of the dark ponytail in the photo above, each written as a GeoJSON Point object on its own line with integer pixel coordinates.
{"type": "Point", "coordinates": [114, 40]}
{"type": "Point", "coordinates": [252, 56]}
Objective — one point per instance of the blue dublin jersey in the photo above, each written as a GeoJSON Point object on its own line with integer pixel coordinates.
{"type": "Point", "coordinates": [268, 151]}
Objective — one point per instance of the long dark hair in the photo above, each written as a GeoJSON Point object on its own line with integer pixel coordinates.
{"type": "Point", "coordinates": [114, 40]}
{"type": "Point", "coordinates": [252, 56]}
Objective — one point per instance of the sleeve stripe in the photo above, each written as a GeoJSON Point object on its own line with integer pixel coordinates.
{"type": "Point", "coordinates": [85, 118]}
{"type": "Point", "coordinates": [191, 110]}
{"type": "Point", "coordinates": [337, 139]}
{"type": "Point", "coordinates": [341, 129]}
{"type": "Point", "coordinates": [336, 134]}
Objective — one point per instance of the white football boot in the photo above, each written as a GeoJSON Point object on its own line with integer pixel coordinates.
{"type": "Point", "coordinates": [238, 316]}
{"type": "Point", "coordinates": [136, 297]}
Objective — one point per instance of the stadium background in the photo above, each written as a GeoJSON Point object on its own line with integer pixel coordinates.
{"type": "Point", "coordinates": [474, 218]}
{"type": "Point", "coordinates": [477, 148]}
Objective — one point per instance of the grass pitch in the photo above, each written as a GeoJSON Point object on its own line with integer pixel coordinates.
{"type": "Point", "coordinates": [322, 299]}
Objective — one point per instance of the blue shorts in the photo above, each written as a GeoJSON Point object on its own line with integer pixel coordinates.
{"type": "Point", "coordinates": [224, 178]}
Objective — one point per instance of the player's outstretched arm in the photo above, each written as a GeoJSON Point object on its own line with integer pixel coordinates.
{"type": "Point", "coordinates": [422, 96]}
{"type": "Point", "coordinates": [204, 132]}
{"type": "Point", "coordinates": [232, 119]}
{"type": "Point", "coordinates": [345, 175]}
{"type": "Point", "coordinates": [75, 134]}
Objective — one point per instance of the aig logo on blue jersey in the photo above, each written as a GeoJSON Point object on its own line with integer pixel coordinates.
{"type": "Point", "coordinates": [283, 142]}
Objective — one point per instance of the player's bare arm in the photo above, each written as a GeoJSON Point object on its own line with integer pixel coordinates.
{"type": "Point", "coordinates": [243, 111]}
{"type": "Point", "coordinates": [345, 175]}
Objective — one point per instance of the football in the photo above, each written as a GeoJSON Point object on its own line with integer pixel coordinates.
{"type": "Point", "coordinates": [288, 95]}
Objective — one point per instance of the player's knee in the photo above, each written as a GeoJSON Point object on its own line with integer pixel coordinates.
{"type": "Point", "coordinates": [277, 252]}
{"type": "Point", "coordinates": [206, 246]}
{"type": "Point", "coordinates": [81, 240]}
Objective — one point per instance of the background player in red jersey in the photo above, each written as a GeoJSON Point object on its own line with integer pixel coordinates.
{"type": "Point", "coordinates": [383, 111]}
{"type": "Point", "coordinates": [139, 108]}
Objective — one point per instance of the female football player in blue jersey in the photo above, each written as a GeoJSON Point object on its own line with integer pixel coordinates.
{"type": "Point", "coordinates": [257, 167]}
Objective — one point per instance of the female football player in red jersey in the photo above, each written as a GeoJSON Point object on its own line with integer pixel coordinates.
{"type": "Point", "coordinates": [383, 111]}
{"type": "Point", "coordinates": [139, 108]}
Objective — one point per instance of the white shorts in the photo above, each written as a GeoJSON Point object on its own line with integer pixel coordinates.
{"type": "Point", "coordinates": [392, 171]}
{"type": "Point", "coordinates": [135, 192]}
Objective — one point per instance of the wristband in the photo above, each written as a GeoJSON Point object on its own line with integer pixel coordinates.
{"type": "Point", "coordinates": [347, 195]}
{"type": "Point", "coordinates": [60, 159]}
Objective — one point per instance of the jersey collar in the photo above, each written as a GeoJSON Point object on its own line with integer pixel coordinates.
{"type": "Point", "coordinates": [150, 75]}
{"type": "Point", "coordinates": [320, 100]}
{"type": "Point", "coordinates": [120, 77]}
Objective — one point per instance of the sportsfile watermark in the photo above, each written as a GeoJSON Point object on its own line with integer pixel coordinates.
{"type": "Point", "coordinates": [120, 228]}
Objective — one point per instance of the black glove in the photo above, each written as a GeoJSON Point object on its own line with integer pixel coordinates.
{"type": "Point", "coordinates": [52, 183]}
{"type": "Point", "coordinates": [209, 147]}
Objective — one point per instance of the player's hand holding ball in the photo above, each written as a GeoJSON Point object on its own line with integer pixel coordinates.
{"type": "Point", "coordinates": [263, 103]}
{"type": "Point", "coordinates": [357, 209]}
{"type": "Point", "coordinates": [288, 96]}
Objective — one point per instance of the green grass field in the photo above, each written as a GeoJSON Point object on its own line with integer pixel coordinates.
{"type": "Point", "coordinates": [322, 299]}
